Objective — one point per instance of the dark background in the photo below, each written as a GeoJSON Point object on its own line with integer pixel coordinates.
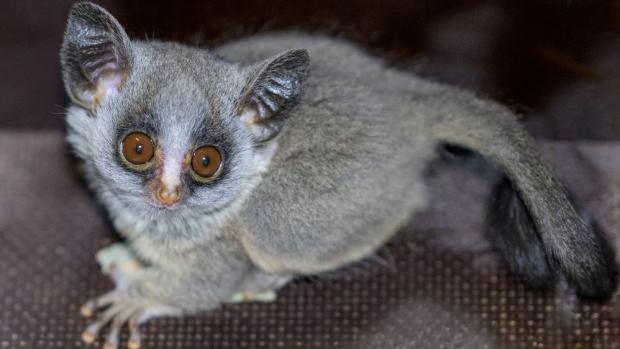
{"type": "Point", "coordinates": [555, 62]}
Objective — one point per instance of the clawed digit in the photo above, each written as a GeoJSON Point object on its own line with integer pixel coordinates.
{"type": "Point", "coordinates": [89, 308]}
{"type": "Point", "coordinates": [115, 317]}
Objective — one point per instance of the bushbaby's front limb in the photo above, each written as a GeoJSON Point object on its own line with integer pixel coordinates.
{"type": "Point", "coordinates": [180, 286]}
{"type": "Point", "coordinates": [132, 302]}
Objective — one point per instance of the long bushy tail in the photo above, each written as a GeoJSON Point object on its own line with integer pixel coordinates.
{"type": "Point", "coordinates": [532, 223]}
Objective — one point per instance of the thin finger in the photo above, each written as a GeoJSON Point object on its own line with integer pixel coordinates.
{"type": "Point", "coordinates": [120, 319]}
{"type": "Point", "coordinates": [89, 308]}
{"type": "Point", "coordinates": [135, 337]}
{"type": "Point", "coordinates": [92, 331]}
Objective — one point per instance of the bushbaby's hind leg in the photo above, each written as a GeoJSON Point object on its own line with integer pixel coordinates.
{"type": "Point", "coordinates": [259, 286]}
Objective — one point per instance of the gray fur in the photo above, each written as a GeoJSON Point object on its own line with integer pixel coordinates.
{"type": "Point", "coordinates": [314, 182]}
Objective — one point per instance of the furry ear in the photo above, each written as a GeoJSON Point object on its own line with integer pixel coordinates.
{"type": "Point", "coordinates": [274, 87]}
{"type": "Point", "coordinates": [95, 54]}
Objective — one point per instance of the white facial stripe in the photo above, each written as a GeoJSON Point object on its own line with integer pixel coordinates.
{"type": "Point", "coordinates": [173, 164]}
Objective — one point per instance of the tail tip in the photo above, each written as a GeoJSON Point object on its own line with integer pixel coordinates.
{"type": "Point", "coordinates": [586, 260]}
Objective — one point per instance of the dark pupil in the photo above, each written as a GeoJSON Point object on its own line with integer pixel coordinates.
{"type": "Point", "coordinates": [205, 161]}
{"type": "Point", "coordinates": [139, 148]}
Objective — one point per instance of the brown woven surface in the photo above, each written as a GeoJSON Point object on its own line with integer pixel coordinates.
{"type": "Point", "coordinates": [436, 286]}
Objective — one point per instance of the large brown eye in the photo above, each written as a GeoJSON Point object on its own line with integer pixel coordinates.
{"type": "Point", "coordinates": [138, 148]}
{"type": "Point", "coordinates": [206, 163]}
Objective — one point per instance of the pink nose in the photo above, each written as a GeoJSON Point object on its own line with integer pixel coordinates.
{"type": "Point", "coordinates": [168, 196]}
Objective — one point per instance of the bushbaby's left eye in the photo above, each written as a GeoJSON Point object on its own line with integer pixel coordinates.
{"type": "Point", "coordinates": [137, 149]}
{"type": "Point", "coordinates": [206, 164]}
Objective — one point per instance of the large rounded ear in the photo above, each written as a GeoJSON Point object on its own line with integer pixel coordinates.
{"type": "Point", "coordinates": [95, 54]}
{"type": "Point", "coordinates": [274, 87]}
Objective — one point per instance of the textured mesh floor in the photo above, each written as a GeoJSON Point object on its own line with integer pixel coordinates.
{"type": "Point", "coordinates": [436, 286]}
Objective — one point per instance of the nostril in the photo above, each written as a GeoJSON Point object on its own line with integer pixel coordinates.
{"type": "Point", "coordinates": [168, 196]}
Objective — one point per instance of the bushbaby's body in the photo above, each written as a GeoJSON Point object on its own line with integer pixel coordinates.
{"type": "Point", "coordinates": [305, 182]}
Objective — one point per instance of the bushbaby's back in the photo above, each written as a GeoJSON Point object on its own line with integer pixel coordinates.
{"type": "Point", "coordinates": [348, 167]}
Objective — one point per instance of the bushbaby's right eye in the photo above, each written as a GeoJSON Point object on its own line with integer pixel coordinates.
{"type": "Point", "coordinates": [137, 149]}
{"type": "Point", "coordinates": [206, 164]}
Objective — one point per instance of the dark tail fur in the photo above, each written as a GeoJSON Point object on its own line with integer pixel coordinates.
{"type": "Point", "coordinates": [512, 233]}
{"type": "Point", "coordinates": [532, 222]}
{"type": "Point", "coordinates": [514, 236]}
